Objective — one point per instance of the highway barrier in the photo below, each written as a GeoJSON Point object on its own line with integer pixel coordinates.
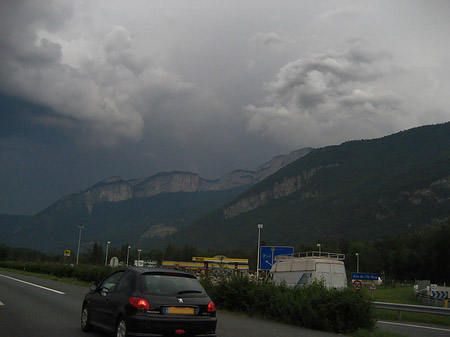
{"type": "Point", "coordinates": [411, 308]}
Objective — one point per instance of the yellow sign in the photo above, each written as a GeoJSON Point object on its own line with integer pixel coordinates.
{"type": "Point", "coordinates": [220, 260]}
{"type": "Point", "coordinates": [67, 253]}
{"type": "Point", "coordinates": [200, 265]}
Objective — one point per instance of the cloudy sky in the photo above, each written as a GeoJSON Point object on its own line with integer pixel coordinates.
{"type": "Point", "coordinates": [94, 89]}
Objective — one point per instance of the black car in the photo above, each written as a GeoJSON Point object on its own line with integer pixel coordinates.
{"type": "Point", "coordinates": [149, 302]}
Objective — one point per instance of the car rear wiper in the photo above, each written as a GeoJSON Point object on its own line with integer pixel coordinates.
{"type": "Point", "coordinates": [189, 291]}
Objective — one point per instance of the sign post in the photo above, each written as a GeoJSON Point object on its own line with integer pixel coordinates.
{"type": "Point", "coordinates": [357, 285]}
{"type": "Point", "coordinates": [365, 276]}
{"type": "Point", "coordinates": [269, 253]}
{"type": "Point", "coordinates": [372, 288]}
{"type": "Point", "coordinates": [66, 254]}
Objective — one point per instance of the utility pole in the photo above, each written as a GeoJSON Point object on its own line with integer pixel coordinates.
{"type": "Point", "coordinates": [106, 258]}
{"type": "Point", "coordinates": [79, 242]}
{"type": "Point", "coordinates": [260, 226]}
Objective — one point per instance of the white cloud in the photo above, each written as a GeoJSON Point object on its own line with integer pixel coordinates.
{"type": "Point", "coordinates": [272, 40]}
{"type": "Point", "coordinates": [332, 97]}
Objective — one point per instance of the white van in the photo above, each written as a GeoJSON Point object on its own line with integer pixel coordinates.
{"type": "Point", "coordinates": [304, 268]}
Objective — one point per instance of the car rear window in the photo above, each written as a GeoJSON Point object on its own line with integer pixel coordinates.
{"type": "Point", "coordinates": [166, 284]}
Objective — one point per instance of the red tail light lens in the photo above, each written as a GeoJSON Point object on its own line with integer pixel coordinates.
{"type": "Point", "coordinates": [211, 307]}
{"type": "Point", "coordinates": [140, 303]}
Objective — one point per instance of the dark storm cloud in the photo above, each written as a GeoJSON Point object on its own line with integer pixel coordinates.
{"type": "Point", "coordinates": [107, 95]}
{"type": "Point", "coordinates": [20, 20]}
{"type": "Point", "coordinates": [91, 89]}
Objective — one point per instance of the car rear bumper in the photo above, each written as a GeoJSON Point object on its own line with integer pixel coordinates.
{"type": "Point", "coordinates": [159, 325]}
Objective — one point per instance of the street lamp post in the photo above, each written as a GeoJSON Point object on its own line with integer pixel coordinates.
{"type": "Point", "coordinates": [128, 254]}
{"type": "Point", "coordinates": [260, 226]}
{"type": "Point", "coordinates": [320, 248]}
{"type": "Point", "coordinates": [106, 258]}
{"type": "Point", "coordinates": [139, 257]}
{"type": "Point", "coordinates": [357, 262]}
{"type": "Point", "coordinates": [79, 242]}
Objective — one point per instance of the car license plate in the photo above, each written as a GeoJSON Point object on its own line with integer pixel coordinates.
{"type": "Point", "coordinates": [179, 310]}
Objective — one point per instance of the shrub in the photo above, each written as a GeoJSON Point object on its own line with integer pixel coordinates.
{"type": "Point", "coordinates": [312, 306]}
{"type": "Point", "coordinates": [81, 272]}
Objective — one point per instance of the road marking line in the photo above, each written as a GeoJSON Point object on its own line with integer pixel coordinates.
{"type": "Point", "coordinates": [34, 285]}
{"type": "Point", "coordinates": [415, 326]}
{"type": "Point", "coordinates": [1, 303]}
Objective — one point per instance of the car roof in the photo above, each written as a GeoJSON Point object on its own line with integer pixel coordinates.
{"type": "Point", "coordinates": [149, 270]}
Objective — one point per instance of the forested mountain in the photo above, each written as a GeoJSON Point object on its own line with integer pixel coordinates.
{"type": "Point", "coordinates": [358, 190]}
{"type": "Point", "coordinates": [10, 224]}
{"type": "Point", "coordinates": [137, 211]}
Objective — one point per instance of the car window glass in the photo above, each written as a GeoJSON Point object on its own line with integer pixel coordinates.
{"type": "Point", "coordinates": [172, 284]}
{"type": "Point", "coordinates": [111, 281]}
{"type": "Point", "coordinates": [125, 282]}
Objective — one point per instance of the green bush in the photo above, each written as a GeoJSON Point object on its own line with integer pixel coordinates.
{"type": "Point", "coordinates": [313, 306]}
{"type": "Point", "coordinates": [81, 272]}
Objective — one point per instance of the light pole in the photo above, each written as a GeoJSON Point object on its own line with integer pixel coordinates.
{"type": "Point", "coordinates": [139, 257]}
{"type": "Point", "coordinates": [357, 262]}
{"type": "Point", "coordinates": [128, 254]}
{"type": "Point", "coordinates": [320, 247]}
{"type": "Point", "coordinates": [106, 258]}
{"type": "Point", "coordinates": [260, 226]}
{"type": "Point", "coordinates": [79, 242]}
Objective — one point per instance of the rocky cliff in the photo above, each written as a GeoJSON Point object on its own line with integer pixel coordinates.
{"type": "Point", "coordinates": [278, 190]}
{"type": "Point", "coordinates": [117, 189]}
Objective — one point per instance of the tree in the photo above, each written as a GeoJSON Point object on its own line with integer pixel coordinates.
{"type": "Point", "coordinates": [97, 255]}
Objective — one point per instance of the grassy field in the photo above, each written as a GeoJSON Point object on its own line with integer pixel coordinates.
{"type": "Point", "coordinates": [404, 294]}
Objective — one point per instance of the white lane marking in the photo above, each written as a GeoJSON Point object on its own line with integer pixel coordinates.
{"type": "Point", "coordinates": [34, 285]}
{"type": "Point", "coordinates": [415, 326]}
{"type": "Point", "coordinates": [1, 303]}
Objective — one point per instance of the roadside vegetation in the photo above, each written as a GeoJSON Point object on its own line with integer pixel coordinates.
{"type": "Point", "coordinates": [313, 306]}
{"type": "Point", "coordinates": [81, 273]}
{"type": "Point", "coordinates": [404, 294]}
{"type": "Point", "coordinates": [351, 312]}
{"type": "Point", "coordinates": [421, 255]}
{"type": "Point", "coordinates": [414, 255]}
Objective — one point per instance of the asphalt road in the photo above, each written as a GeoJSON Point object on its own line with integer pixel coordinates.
{"type": "Point", "coordinates": [31, 306]}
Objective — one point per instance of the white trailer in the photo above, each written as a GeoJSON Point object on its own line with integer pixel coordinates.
{"type": "Point", "coordinates": [304, 268]}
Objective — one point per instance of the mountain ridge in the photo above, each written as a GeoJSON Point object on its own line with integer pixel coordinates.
{"type": "Point", "coordinates": [359, 189]}
{"type": "Point", "coordinates": [115, 189]}
{"type": "Point", "coordinates": [130, 201]}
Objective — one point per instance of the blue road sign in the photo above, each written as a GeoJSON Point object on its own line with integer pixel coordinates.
{"type": "Point", "coordinates": [440, 294]}
{"type": "Point", "coordinates": [268, 254]}
{"type": "Point", "coordinates": [365, 276]}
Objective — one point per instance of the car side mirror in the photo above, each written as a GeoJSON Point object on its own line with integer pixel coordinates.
{"type": "Point", "coordinates": [93, 287]}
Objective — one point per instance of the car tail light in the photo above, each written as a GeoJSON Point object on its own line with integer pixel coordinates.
{"type": "Point", "coordinates": [139, 302]}
{"type": "Point", "coordinates": [211, 307]}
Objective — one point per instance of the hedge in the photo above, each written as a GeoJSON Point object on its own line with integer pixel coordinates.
{"type": "Point", "coordinates": [312, 306]}
{"type": "Point", "coordinates": [84, 273]}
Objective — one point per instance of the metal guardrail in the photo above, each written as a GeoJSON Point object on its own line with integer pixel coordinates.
{"type": "Point", "coordinates": [430, 300]}
{"type": "Point", "coordinates": [411, 308]}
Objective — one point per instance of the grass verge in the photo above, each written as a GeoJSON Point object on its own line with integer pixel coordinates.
{"type": "Point", "coordinates": [404, 294]}
{"type": "Point", "coordinates": [48, 277]}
